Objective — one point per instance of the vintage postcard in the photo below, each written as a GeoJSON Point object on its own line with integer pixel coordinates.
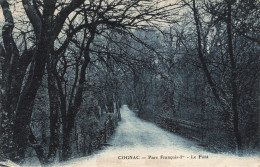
{"type": "Point", "coordinates": [129, 83]}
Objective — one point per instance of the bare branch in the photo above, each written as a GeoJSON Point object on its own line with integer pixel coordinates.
{"type": "Point", "coordinates": [33, 16]}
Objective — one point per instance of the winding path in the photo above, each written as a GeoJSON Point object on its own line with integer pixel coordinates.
{"type": "Point", "coordinates": [138, 143]}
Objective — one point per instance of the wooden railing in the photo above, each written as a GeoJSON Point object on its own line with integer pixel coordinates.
{"type": "Point", "coordinates": [185, 128]}
{"type": "Point", "coordinates": [104, 134]}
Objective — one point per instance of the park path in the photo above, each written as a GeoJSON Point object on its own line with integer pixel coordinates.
{"type": "Point", "coordinates": [138, 143]}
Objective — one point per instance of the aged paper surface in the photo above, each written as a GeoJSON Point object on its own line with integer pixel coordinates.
{"type": "Point", "coordinates": [125, 83]}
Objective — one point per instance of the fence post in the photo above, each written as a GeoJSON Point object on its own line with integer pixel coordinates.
{"type": "Point", "coordinates": [105, 131]}
{"type": "Point", "coordinates": [90, 148]}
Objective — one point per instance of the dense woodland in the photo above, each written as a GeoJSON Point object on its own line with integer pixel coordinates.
{"type": "Point", "coordinates": [67, 66]}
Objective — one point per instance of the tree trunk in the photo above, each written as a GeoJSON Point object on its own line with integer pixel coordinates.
{"type": "Point", "coordinates": [233, 76]}
{"type": "Point", "coordinates": [13, 71]}
{"type": "Point", "coordinates": [66, 145]}
{"type": "Point", "coordinates": [54, 110]}
{"type": "Point", "coordinates": [26, 99]}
